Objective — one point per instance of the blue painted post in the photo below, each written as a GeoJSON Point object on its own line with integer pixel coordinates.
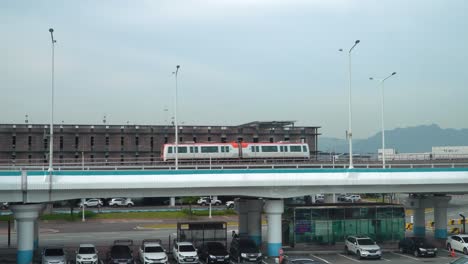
{"type": "Point", "coordinates": [274, 209]}
{"type": "Point", "coordinates": [25, 215]}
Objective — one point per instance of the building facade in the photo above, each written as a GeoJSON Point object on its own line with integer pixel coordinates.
{"type": "Point", "coordinates": [29, 143]}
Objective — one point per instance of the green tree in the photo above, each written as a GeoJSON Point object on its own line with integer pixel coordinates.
{"type": "Point", "coordinates": [190, 200]}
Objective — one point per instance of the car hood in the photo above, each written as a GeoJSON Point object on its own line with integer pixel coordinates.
{"type": "Point", "coordinates": [86, 255]}
{"type": "Point", "coordinates": [155, 255]}
{"type": "Point", "coordinates": [370, 247]}
{"type": "Point", "coordinates": [219, 252]}
{"type": "Point", "coordinates": [188, 253]}
{"type": "Point", "coordinates": [54, 258]}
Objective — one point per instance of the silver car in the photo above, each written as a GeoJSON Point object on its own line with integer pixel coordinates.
{"type": "Point", "coordinates": [54, 256]}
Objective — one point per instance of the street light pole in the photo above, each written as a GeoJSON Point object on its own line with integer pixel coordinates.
{"type": "Point", "coordinates": [382, 116]}
{"type": "Point", "coordinates": [175, 122]}
{"type": "Point", "coordinates": [350, 132]}
{"type": "Point", "coordinates": [51, 139]}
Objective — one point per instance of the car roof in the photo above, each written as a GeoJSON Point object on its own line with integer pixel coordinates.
{"type": "Point", "coordinates": [185, 243]}
{"type": "Point", "coordinates": [86, 245]}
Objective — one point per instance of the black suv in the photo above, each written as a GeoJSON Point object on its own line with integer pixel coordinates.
{"type": "Point", "coordinates": [418, 246]}
{"type": "Point", "coordinates": [244, 249]}
{"type": "Point", "coordinates": [120, 252]}
{"type": "Point", "coordinates": [214, 252]}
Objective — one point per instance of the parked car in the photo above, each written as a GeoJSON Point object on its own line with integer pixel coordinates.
{"type": "Point", "coordinates": [87, 254]}
{"type": "Point", "coordinates": [363, 247]}
{"type": "Point", "coordinates": [299, 260]}
{"type": "Point", "coordinates": [460, 260]}
{"type": "Point", "coordinates": [121, 252]}
{"type": "Point", "coordinates": [244, 249]}
{"type": "Point", "coordinates": [152, 252]}
{"type": "Point", "coordinates": [214, 252]}
{"type": "Point", "coordinates": [54, 256]}
{"type": "Point", "coordinates": [92, 203]}
{"type": "Point", "coordinates": [207, 200]}
{"type": "Point", "coordinates": [319, 198]}
{"type": "Point", "coordinates": [353, 198]}
{"type": "Point", "coordinates": [121, 202]}
{"type": "Point", "coordinates": [418, 246]}
{"type": "Point", "coordinates": [458, 243]}
{"type": "Point", "coordinates": [184, 252]}
{"type": "Point", "coordinates": [230, 204]}
{"type": "Point", "coordinates": [4, 205]}
{"type": "Point", "coordinates": [341, 198]}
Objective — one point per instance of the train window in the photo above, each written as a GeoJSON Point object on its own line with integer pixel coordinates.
{"type": "Point", "coordinates": [224, 149]}
{"type": "Point", "coordinates": [304, 149]}
{"type": "Point", "coordinates": [169, 150]}
{"type": "Point", "coordinates": [193, 149]}
{"type": "Point", "coordinates": [269, 148]}
{"type": "Point", "coordinates": [182, 149]}
{"type": "Point", "coordinates": [295, 148]}
{"type": "Point", "coordinates": [209, 150]}
{"type": "Point", "coordinates": [283, 148]}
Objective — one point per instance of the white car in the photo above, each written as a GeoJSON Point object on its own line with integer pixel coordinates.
{"type": "Point", "coordinates": [151, 252]}
{"type": "Point", "coordinates": [230, 204]}
{"type": "Point", "coordinates": [87, 254]}
{"type": "Point", "coordinates": [363, 247]}
{"type": "Point", "coordinates": [121, 202]}
{"type": "Point", "coordinates": [458, 243]}
{"type": "Point", "coordinates": [184, 252]}
{"type": "Point", "coordinates": [92, 203]}
{"type": "Point", "coordinates": [206, 201]}
{"type": "Point", "coordinates": [3, 205]}
{"type": "Point", "coordinates": [54, 256]}
{"type": "Point", "coordinates": [353, 198]}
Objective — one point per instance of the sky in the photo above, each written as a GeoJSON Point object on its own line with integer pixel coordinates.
{"type": "Point", "coordinates": [240, 61]}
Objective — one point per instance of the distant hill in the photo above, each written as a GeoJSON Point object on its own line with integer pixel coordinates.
{"type": "Point", "coordinates": [404, 140]}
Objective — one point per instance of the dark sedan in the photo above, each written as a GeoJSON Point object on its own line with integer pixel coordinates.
{"type": "Point", "coordinates": [214, 252]}
{"type": "Point", "coordinates": [417, 246]}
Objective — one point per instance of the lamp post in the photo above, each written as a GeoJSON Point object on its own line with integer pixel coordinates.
{"type": "Point", "coordinates": [382, 116]}
{"type": "Point", "coordinates": [350, 133]}
{"type": "Point", "coordinates": [175, 122]}
{"type": "Point", "coordinates": [51, 139]}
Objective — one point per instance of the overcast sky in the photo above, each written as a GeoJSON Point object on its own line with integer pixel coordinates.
{"type": "Point", "coordinates": [241, 60]}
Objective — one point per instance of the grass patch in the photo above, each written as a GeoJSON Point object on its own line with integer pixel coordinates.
{"type": "Point", "coordinates": [184, 213]}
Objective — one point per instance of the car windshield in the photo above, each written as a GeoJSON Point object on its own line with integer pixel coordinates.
{"type": "Point", "coordinates": [247, 243]}
{"type": "Point", "coordinates": [215, 246]}
{"type": "Point", "coordinates": [120, 251]}
{"type": "Point", "coordinates": [365, 242]}
{"type": "Point", "coordinates": [154, 249]}
{"type": "Point", "coordinates": [86, 250]}
{"type": "Point", "coordinates": [186, 248]}
{"type": "Point", "coordinates": [53, 252]}
{"type": "Point", "coordinates": [465, 239]}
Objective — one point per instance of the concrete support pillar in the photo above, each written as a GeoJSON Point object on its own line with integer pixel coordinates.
{"type": "Point", "coordinates": [254, 219]}
{"type": "Point", "coordinates": [36, 234]}
{"type": "Point", "coordinates": [440, 216]}
{"type": "Point", "coordinates": [242, 210]}
{"type": "Point", "coordinates": [419, 227]}
{"type": "Point", "coordinates": [330, 198]}
{"type": "Point", "coordinates": [274, 210]}
{"type": "Point", "coordinates": [26, 215]}
{"type": "Point", "coordinates": [172, 202]}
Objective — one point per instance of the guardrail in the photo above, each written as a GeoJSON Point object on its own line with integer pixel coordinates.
{"type": "Point", "coordinates": [236, 166]}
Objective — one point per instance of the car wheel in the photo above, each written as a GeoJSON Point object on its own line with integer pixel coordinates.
{"type": "Point", "coordinates": [449, 248]}
{"type": "Point", "coordinates": [217, 204]}
{"type": "Point", "coordinates": [238, 259]}
{"type": "Point", "coordinates": [114, 205]}
{"type": "Point", "coordinates": [465, 251]}
{"type": "Point", "coordinates": [359, 254]}
{"type": "Point", "coordinates": [416, 253]}
{"type": "Point", "coordinates": [203, 204]}
{"type": "Point", "coordinates": [129, 205]}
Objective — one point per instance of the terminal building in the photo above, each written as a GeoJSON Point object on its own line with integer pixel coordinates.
{"type": "Point", "coordinates": [126, 144]}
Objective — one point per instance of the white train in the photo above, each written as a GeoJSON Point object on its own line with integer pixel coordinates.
{"type": "Point", "coordinates": [236, 150]}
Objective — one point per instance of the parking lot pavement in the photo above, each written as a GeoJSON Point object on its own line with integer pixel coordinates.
{"type": "Point", "coordinates": [387, 258]}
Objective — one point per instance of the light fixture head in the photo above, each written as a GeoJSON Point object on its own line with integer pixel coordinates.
{"type": "Point", "coordinates": [51, 30]}
{"type": "Point", "coordinates": [357, 41]}
{"type": "Point", "coordinates": [393, 73]}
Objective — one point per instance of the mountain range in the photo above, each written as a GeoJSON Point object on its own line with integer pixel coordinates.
{"type": "Point", "coordinates": [404, 140]}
